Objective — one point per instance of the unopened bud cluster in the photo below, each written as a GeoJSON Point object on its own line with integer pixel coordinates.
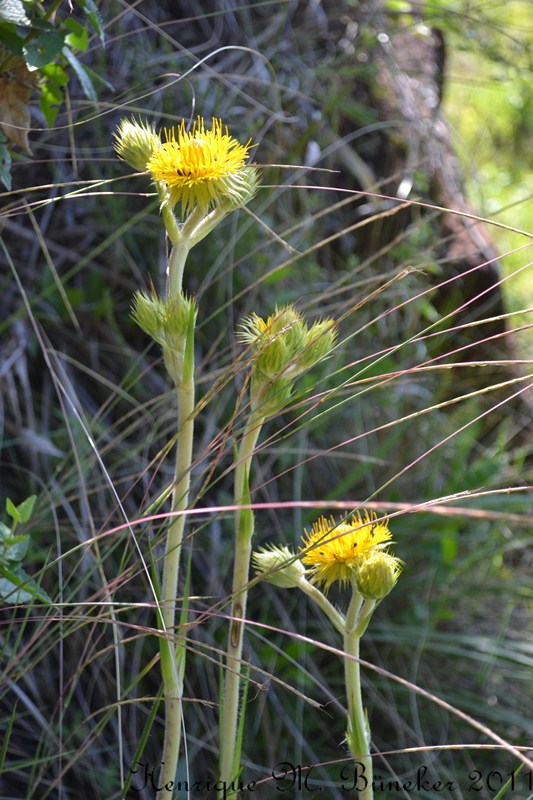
{"type": "Point", "coordinates": [283, 347]}
{"type": "Point", "coordinates": [169, 323]}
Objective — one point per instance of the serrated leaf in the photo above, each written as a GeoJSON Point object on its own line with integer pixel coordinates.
{"type": "Point", "coordinates": [13, 595]}
{"type": "Point", "coordinates": [81, 74]}
{"type": "Point", "coordinates": [42, 25]}
{"type": "Point", "coordinates": [49, 108]}
{"type": "Point", "coordinates": [44, 48]}
{"type": "Point", "coordinates": [53, 92]}
{"type": "Point", "coordinates": [94, 17]}
{"type": "Point", "coordinates": [55, 74]}
{"type": "Point", "coordinates": [14, 11]}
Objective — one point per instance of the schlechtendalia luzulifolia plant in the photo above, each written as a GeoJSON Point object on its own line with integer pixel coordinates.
{"type": "Point", "coordinates": [201, 175]}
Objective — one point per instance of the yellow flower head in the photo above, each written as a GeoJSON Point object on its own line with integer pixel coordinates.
{"type": "Point", "coordinates": [203, 167]}
{"type": "Point", "coordinates": [334, 550]}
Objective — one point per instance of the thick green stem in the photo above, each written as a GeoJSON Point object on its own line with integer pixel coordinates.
{"type": "Point", "coordinates": [244, 526]}
{"type": "Point", "coordinates": [171, 223]}
{"type": "Point", "coordinates": [172, 646]}
{"type": "Point", "coordinates": [176, 264]}
{"type": "Point", "coordinates": [358, 732]}
{"type": "Point", "coordinates": [198, 226]}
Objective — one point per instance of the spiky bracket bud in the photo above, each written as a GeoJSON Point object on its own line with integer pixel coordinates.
{"type": "Point", "coordinates": [135, 143]}
{"type": "Point", "coordinates": [377, 574]}
{"type": "Point", "coordinates": [282, 348]}
{"type": "Point", "coordinates": [171, 324]}
{"type": "Point", "coordinates": [279, 566]}
{"type": "Point", "coordinates": [240, 187]}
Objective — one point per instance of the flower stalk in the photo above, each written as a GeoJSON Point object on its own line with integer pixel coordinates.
{"type": "Point", "coordinates": [353, 553]}
{"type": "Point", "coordinates": [202, 171]}
{"type": "Point", "coordinates": [282, 348]}
{"type": "Point", "coordinates": [176, 266]}
{"type": "Point", "coordinates": [358, 730]}
{"type": "Point", "coordinates": [244, 528]}
{"type": "Point", "coordinates": [173, 645]}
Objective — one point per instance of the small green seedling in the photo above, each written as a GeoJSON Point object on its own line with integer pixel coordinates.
{"type": "Point", "coordinates": [16, 586]}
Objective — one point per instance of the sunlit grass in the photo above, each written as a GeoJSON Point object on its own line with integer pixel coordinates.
{"type": "Point", "coordinates": [488, 103]}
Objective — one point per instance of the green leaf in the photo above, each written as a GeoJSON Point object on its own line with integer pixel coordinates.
{"type": "Point", "coordinates": [50, 100]}
{"type": "Point", "coordinates": [54, 74]}
{"type": "Point", "coordinates": [25, 508]}
{"type": "Point", "coordinates": [44, 48]}
{"type": "Point", "coordinates": [49, 103]}
{"type": "Point", "coordinates": [93, 15]}
{"type": "Point", "coordinates": [399, 6]}
{"type": "Point", "coordinates": [13, 11]}
{"type": "Point", "coordinates": [10, 39]}
{"type": "Point", "coordinates": [13, 511]}
{"type": "Point", "coordinates": [16, 548]}
{"type": "Point", "coordinates": [96, 79]}
{"type": "Point", "coordinates": [81, 74]}
{"type": "Point", "coordinates": [78, 38]}
{"type": "Point", "coordinates": [5, 166]}
{"type": "Point", "coordinates": [23, 511]}
{"type": "Point", "coordinates": [53, 79]}
{"type": "Point", "coordinates": [17, 587]}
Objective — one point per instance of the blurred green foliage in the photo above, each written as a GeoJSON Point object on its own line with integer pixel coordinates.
{"type": "Point", "coordinates": [39, 44]}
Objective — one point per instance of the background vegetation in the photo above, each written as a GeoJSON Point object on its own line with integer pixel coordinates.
{"type": "Point", "coordinates": [415, 415]}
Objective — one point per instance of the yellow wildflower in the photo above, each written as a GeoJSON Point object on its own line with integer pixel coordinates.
{"type": "Point", "coordinates": [203, 167]}
{"type": "Point", "coordinates": [334, 550]}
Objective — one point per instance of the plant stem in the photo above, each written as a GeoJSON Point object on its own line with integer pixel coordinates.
{"type": "Point", "coordinates": [176, 264]}
{"type": "Point", "coordinates": [171, 223]}
{"type": "Point", "coordinates": [358, 733]}
{"type": "Point", "coordinates": [172, 646]}
{"type": "Point", "coordinates": [244, 528]}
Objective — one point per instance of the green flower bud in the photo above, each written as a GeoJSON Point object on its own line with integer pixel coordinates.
{"type": "Point", "coordinates": [135, 142]}
{"type": "Point", "coordinates": [272, 359]}
{"type": "Point", "coordinates": [168, 323]}
{"type": "Point", "coordinates": [319, 342]}
{"type": "Point", "coordinates": [282, 348]}
{"type": "Point", "coordinates": [278, 565]}
{"type": "Point", "coordinates": [376, 574]}
{"type": "Point", "coordinates": [240, 187]}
